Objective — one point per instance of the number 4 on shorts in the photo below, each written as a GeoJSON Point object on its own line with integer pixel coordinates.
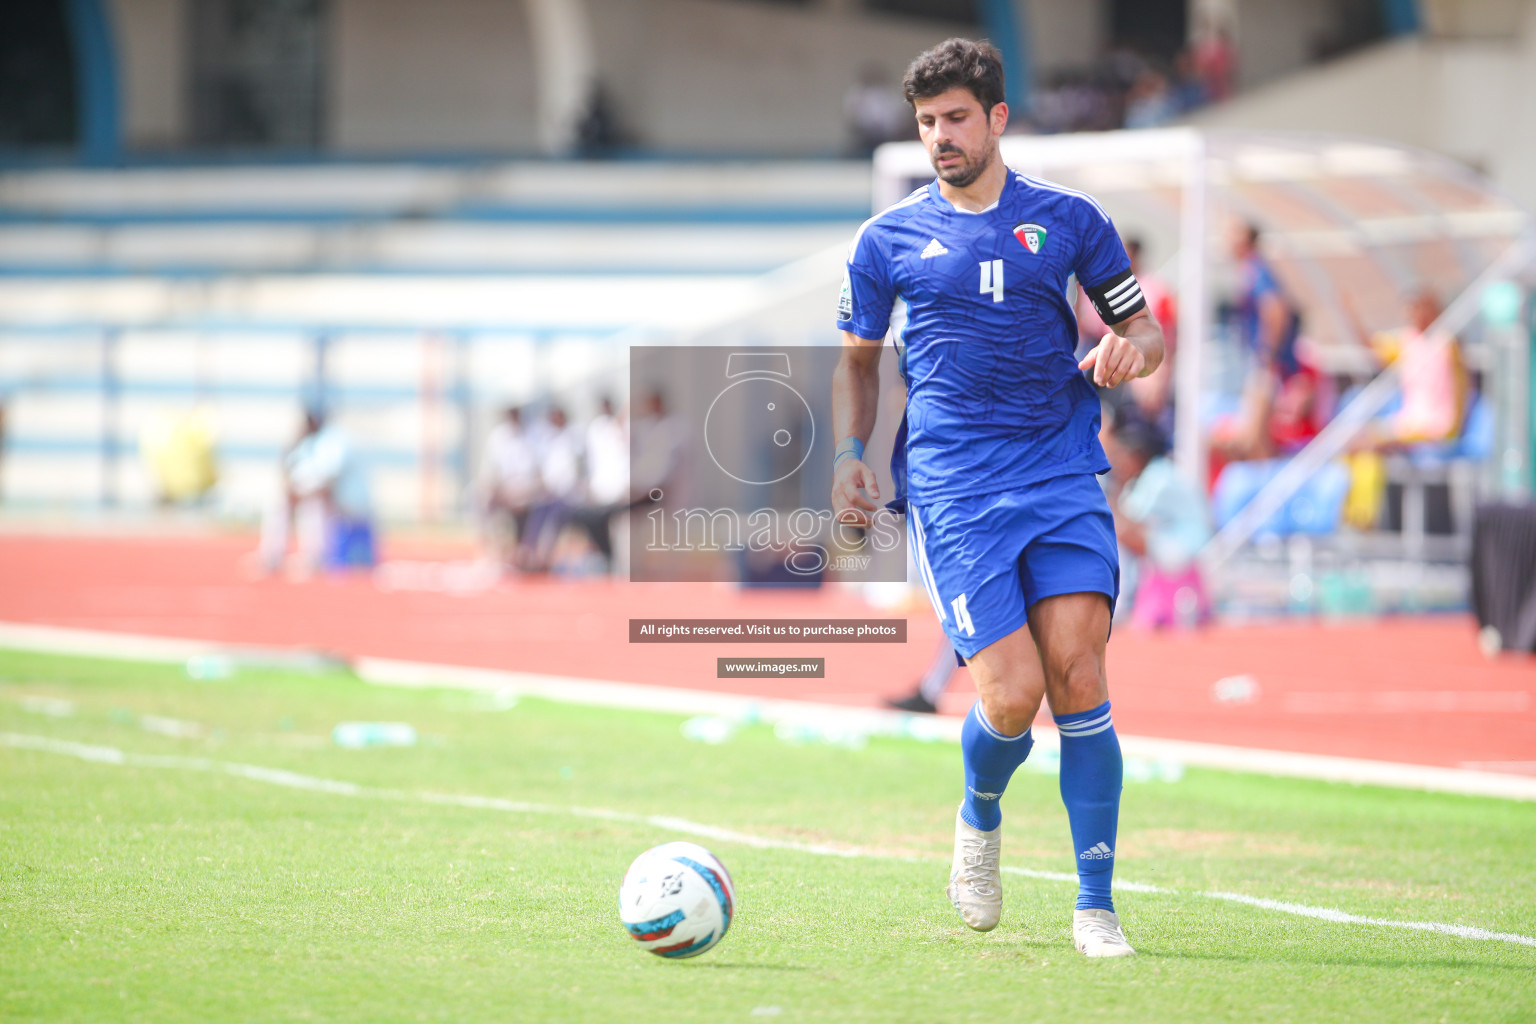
{"type": "Point", "coordinates": [962, 616]}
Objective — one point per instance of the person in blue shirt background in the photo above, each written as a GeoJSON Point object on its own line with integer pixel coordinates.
{"type": "Point", "coordinates": [1282, 406]}
{"type": "Point", "coordinates": [1014, 539]}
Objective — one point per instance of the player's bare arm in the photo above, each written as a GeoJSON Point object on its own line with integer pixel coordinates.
{"type": "Point", "coordinates": [855, 400]}
{"type": "Point", "coordinates": [1133, 348]}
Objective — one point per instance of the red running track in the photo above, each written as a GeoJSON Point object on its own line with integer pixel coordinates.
{"type": "Point", "coordinates": [1412, 690]}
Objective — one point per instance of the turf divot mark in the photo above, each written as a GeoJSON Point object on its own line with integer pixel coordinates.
{"type": "Point", "coordinates": [296, 780]}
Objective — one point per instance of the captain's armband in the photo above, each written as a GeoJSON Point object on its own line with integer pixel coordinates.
{"type": "Point", "coordinates": [1117, 298]}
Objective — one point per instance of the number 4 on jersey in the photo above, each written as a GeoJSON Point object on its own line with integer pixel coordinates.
{"type": "Point", "coordinates": [992, 279]}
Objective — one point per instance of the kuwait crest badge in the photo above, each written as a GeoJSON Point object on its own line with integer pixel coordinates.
{"type": "Point", "coordinates": [1031, 236]}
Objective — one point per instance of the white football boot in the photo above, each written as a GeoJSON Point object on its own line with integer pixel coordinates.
{"type": "Point", "coordinates": [975, 881]}
{"type": "Point", "coordinates": [1097, 933]}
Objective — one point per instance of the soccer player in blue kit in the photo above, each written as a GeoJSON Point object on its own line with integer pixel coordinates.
{"type": "Point", "coordinates": [1013, 537]}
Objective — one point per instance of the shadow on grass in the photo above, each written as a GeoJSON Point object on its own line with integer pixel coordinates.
{"type": "Point", "coordinates": [717, 965]}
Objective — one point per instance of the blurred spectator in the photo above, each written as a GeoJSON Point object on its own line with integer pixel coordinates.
{"type": "Point", "coordinates": [1215, 59]}
{"type": "Point", "coordinates": [507, 487]}
{"type": "Point", "coordinates": [1078, 101]}
{"type": "Point", "coordinates": [1430, 372]}
{"type": "Point", "coordinates": [1432, 380]}
{"type": "Point", "coordinates": [660, 452]}
{"type": "Point", "coordinates": [1124, 89]}
{"type": "Point", "coordinates": [875, 112]}
{"type": "Point", "coordinates": [1188, 87]}
{"type": "Point", "coordinates": [607, 484]}
{"type": "Point", "coordinates": [1282, 409]}
{"type": "Point", "coordinates": [558, 446]}
{"type": "Point", "coordinates": [324, 503]}
{"type": "Point", "coordinates": [658, 470]}
{"type": "Point", "coordinates": [1161, 522]}
{"type": "Point", "coordinates": [1150, 102]}
{"type": "Point", "coordinates": [598, 133]}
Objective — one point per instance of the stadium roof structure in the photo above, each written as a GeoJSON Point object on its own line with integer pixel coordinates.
{"type": "Point", "coordinates": [1344, 220]}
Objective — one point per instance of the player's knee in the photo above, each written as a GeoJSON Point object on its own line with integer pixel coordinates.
{"type": "Point", "coordinates": [1010, 713]}
{"type": "Point", "coordinates": [1077, 683]}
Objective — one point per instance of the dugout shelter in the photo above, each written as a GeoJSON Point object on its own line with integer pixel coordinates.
{"type": "Point", "coordinates": [1340, 216]}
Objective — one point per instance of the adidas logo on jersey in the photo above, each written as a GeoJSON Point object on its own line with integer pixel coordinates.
{"type": "Point", "coordinates": [935, 248]}
{"type": "Point", "coordinates": [1098, 851]}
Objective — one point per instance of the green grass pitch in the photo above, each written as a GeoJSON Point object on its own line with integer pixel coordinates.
{"type": "Point", "coordinates": [157, 891]}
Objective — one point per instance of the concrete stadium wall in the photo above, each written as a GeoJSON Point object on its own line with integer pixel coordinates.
{"type": "Point", "coordinates": [709, 76]}
{"type": "Point", "coordinates": [452, 74]}
{"type": "Point", "coordinates": [1275, 38]}
{"type": "Point", "coordinates": [721, 76]}
{"type": "Point", "coordinates": [1064, 34]}
{"type": "Point", "coordinates": [153, 63]}
{"type": "Point", "coordinates": [688, 75]}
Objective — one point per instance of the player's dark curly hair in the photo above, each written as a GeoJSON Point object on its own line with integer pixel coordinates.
{"type": "Point", "coordinates": [956, 63]}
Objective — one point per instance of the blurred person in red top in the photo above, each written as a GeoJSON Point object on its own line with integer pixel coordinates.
{"type": "Point", "coordinates": [1216, 60]}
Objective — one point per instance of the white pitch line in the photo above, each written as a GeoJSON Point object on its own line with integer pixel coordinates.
{"type": "Point", "coordinates": [868, 721]}
{"type": "Point", "coordinates": [296, 780]}
{"type": "Point", "coordinates": [1326, 914]}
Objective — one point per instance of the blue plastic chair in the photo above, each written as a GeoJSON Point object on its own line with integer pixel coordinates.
{"type": "Point", "coordinates": [349, 544]}
{"type": "Point", "coordinates": [1314, 510]}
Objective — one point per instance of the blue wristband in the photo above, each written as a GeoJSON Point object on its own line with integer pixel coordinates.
{"type": "Point", "coordinates": [848, 446]}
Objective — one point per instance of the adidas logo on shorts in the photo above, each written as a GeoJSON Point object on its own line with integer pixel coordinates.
{"type": "Point", "coordinates": [1098, 851]}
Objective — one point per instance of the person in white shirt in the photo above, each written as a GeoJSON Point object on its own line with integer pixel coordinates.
{"type": "Point", "coordinates": [607, 460]}
{"type": "Point", "coordinates": [560, 456]}
{"type": "Point", "coordinates": [507, 487]}
{"type": "Point", "coordinates": [660, 470]}
{"type": "Point", "coordinates": [324, 502]}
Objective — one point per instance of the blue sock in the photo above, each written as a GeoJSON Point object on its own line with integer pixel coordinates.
{"type": "Point", "coordinates": [1090, 787]}
{"type": "Point", "coordinates": [990, 758]}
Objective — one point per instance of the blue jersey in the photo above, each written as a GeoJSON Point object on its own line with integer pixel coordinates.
{"type": "Point", "coordinates": [978, 304]}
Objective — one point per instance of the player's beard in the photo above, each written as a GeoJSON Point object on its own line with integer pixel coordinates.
{"type": "Point", "coordinates": [963, 174]}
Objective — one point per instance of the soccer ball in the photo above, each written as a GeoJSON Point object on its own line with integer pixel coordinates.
{"type": "Point", "coordinates": [677, 900]}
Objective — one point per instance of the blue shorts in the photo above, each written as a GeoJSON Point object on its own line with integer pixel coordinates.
{"type": "Point", "coordinates": [986, 560]}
